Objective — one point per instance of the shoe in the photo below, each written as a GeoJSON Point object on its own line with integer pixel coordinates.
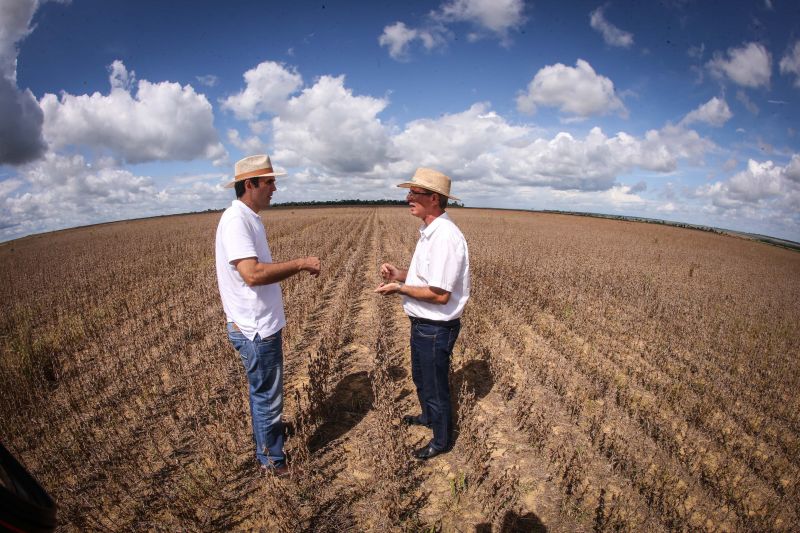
{"type": "Point", "coordinates": [426, 452]}
{"type": "Point", "coordinates": [281, 471]}
{"type": "Point", "coordinates": [411, 420]}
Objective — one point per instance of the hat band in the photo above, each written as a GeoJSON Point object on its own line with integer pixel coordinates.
{"type": "Point", "coordinates": [430, 187]}
{"type": "Point", "coordinates": [253, 173]}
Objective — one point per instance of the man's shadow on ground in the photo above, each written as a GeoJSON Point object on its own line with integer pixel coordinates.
{"type": "Point", "coordinates": [478, 379]}
{"type": "Point", "coordinates": [475, 373]}
{"type": "Point", "coordinates": [352, 399]}
{"type": "Point", "coordinates": [514, 523]}
{"type": "Point", "coordinates": [347, 405]}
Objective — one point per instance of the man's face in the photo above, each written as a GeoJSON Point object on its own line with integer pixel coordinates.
{"type": "Point", "coordinates": [422, 202]}
{"type": "Point", "coordinates": [262, 195]}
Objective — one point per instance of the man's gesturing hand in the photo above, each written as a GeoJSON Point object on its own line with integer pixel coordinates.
{"type": "Point", "coordinates": [388, 288]}
{"type": "Point", "coordinates": [311, 265]}
{"type": "Point", "coordinates": [389, 272]}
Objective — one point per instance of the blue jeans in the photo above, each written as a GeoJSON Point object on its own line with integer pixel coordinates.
{"type": "Point", "coordinates": [263, 363]}
{"type": "Point", "coordinates": [431, 348]}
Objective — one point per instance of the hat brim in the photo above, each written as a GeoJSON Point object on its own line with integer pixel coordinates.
{"type": "Point", "coordinates": [409, 184]}
{"type": "Point", "coordinates": [264, 175]}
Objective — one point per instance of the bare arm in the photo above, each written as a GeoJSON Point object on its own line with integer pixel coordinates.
{"type": "Point", "coordinates": [429, 294]}
{"type": "Point", "coordinates": [254, 273]}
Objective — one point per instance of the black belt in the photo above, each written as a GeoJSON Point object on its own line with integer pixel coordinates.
{"type": "Point", "coordinates": [443, 323]}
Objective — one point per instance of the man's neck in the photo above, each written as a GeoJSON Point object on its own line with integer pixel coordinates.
{"type": "Point", "coordinates": [431, 217]}
{"type": "Point", "coordinates": [249, 203]}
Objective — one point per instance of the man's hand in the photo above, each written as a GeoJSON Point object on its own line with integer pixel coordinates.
{"type": "Point", "coordinates": [311, 265]}
{"type": "Point", "coordinates": [388, 288]}
{"type": "Point", "coordinates": [389, 272]}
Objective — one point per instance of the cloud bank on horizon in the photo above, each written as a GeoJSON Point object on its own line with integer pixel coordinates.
{"type": "Point", "coordinates": [588, 107]}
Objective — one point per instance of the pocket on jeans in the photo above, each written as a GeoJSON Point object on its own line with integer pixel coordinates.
{"type": "Point", "coordinates": [426, 330]}
{"type": "Point", "coordinates": [269, 350]}
{"type": "Point", "coordinates": [235, 337]}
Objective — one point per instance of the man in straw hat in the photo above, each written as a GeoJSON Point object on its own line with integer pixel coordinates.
{"type": "Point", "coordinates": [248, 285]}
{"type": "Point", "coordinates": [435, 289]}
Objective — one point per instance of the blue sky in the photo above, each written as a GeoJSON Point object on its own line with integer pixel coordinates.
{"type": "Point", "coordinates": [680, 110]}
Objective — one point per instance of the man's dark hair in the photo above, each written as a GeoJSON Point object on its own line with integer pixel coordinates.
{"type": "Point", "coordinates": [239, 185]}
{"type": "Point", "coordinates": [442, 201]}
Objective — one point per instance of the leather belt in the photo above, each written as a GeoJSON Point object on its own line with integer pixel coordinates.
{"type": "Point", "coordinates": [443, 323]}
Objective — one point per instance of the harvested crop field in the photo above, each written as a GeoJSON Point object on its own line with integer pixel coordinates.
{"type": "Point", "coordinates": [609, 376]}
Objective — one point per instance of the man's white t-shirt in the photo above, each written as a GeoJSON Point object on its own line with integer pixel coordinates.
{"type": "Point", "coordinates": [259, 309]}
{"type": "Point", "coordinates": [441, 259]}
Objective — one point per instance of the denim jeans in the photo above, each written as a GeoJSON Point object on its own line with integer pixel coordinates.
{"type": "Point", "coordinates": [431, 348]}
{"type": "Point", "coordinates": [263, 363]}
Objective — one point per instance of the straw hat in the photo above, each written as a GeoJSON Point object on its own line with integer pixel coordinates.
{"type": "Point", "coordinates": [253, 166]}
{"type": "Point", "coordinates": [432, 180]}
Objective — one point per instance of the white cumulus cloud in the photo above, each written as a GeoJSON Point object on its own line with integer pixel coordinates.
{"type": "Point", "coordinates": [15, 20]}
{"type": "Point", "coordinates": [595, 162]}
{"type": "Point", "coordinates": [714, 112]}
{"type": "Point", "coordinates": [328, 133]}
{"type": "Point", "coordinates": [326, 125]}
{"type": "Point", "coordinates": [612, 35]}
{"type": "Point", "coordinates": [81, 194]}
{"type": "Point", "coordinates": [758, 182]}
{"type": "Point", "coordinates": [577, 91]}
{"type": "Point", "coordinates": [88, 192]}
{"type": "Point", "coordinates": [495, 18]}
{"type": "Point", "coordinates": [749, 65]}
{"type": "Point", "coordinates": [790, 63]}
{"type": "Point", "coordinates": [249, 145]}
{"type": "Point", "coordinates": [471, 142]}
{"type": "Point", "coordinates": [267, 86]}
{"type": "Point", "coordinates": [119, 77]}
{"type": "Point", "coordinates": [398, 38]}
{"type": "Point", "coordinates": [481, 147]}
{"type": "Point", "coordinates": [338, 147]}
{"type": "Point", "coordinates": [498, 17]}
{"type": "Point", "coordinates": [763, 191]}
{"type": "Point", "coordinates": [157, 121]}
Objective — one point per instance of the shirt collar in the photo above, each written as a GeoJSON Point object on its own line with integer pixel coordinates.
{"type": "Point", "coordinates": [427, 231]}
{"type": "Point", "coordinates": [240, 205]}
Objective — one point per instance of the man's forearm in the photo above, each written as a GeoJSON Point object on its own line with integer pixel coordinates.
{"type": "Point", "coordinates": [267, 273]}
{"type": "Point", "coordinates": [425, 294]}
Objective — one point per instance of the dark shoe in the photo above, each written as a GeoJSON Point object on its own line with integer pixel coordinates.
{"type": "Point", "coordinates": [411, 420]}
{"type": "Point", "coordinates": [426, 452]}
{"type": "Point", "coordinates": [277, 471]}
